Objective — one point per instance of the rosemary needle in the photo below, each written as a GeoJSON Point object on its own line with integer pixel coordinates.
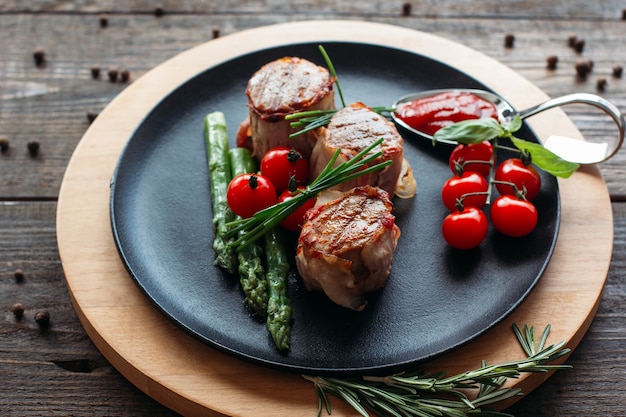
{"type": "Point", "coordinates": [424, 395]}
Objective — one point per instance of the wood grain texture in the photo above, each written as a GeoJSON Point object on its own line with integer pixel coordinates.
{"type": "Point", "coordinates": [50, 104]}
{"type": "Point", "coordinates": [49, 373]}
{"type": "Point", "coordinates": [195, 380]}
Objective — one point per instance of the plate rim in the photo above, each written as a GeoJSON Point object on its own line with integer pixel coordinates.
{"type": "Point", "coordinates": [150, 287]}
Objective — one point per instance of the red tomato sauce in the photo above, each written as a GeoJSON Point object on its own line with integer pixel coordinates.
{"type": "Point", "coordinates": [430, 114]}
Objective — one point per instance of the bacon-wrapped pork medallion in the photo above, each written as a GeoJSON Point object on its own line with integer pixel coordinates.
{"type": "Point", "coordinates": [285, 86]}
{"type": "Point", "coordinates": [354, 128]}
{"type": "Point", "coordinates": [346, 246]}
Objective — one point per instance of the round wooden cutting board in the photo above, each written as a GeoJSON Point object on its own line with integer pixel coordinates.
{"type": "Point", "coordinates": [193, 379]}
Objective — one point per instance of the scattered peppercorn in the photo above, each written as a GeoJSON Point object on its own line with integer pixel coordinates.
{"type": "Point", "coordinates": [406, 9]}
{"type": "Point", "coordinates": [95, 72]}
{"type": "Point", "coordinates": [112, 74]}
{"type": "Point", "coordinates": [104, 20]}
{"type": "Point", "coordinates": [601, 84]}
{"type": "Point", "coordinates": [583, 68]}
{"type": "Point", "coordinates": [18, 310]}
{"type": "Point", "coordinates": [571, 40]}
{"type": "Point", "coordinates": [509, 40]}
{"type": "Point", "coordinates": [159, 11]}
{"type": "Point", "coordinates": [124, 75]}
{"type": "Point", "coordinates": [39, 55]}
{"type": "Point", "coordinates": [552, 62]}
{"type": "Point", "coordinates": [617, 71]}
{"type": "Point", "coordinates": [42, 318]}
{"type": "Point", "coordinates": [579, 45]}
{"type": "Point", "coordinates": [19, 275]}
{"type": "Point", "coordinates": [4, 143]}
{"type": "Point", "coordinates": [33, 147]}
{"type": "Point", "coordinates": [216, 33]}
{"type": "Point", "coordinates": [91, 116]}
{"type": "Point", "coordinates": [623, 14]}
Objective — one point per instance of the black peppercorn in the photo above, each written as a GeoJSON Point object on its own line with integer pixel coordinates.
{"type": "Point", "coordinates": [579, 45]}
{"type": "Point", "coordinates": [95, 72]}
{"type": "Point", "coordinates": [617, 71]}
{"type": "Point", "coordinates": [4, 143]}
{"type": "Point", "coordinates": [216, 33]}
{"type": "Point", "coordinates": [406, 9]}
{"type": "Point", "coordinates": [601, 84]}
{"type": "Point", "coordinates": [42, 318]}
{"type": "Point", "coordinates": [583, 68]}
{"type": "Point", "coordinates": [159, 11]}
{"type": "Point", "coordinates": [39, 55]}
{"type": "Point", "coordinates": [623, 14]}
{"type": "Point", "coordinates": [552, 62]}
{"type": "Point", "coordinates": [509, 40]}
{"type": "Point", "coordinates": [124, 75]}
{"type": "Point", "coordinates": [18, 310]}
{"type": "Point", "coordinates": [33, 147]}
{"type": "Point", "coordinates": [571, 40]}
{"type": "Point", "coordinates": [112, 74]}
{"type": "Point", "coordinates": [19, 275]}
{"type": "Point", "coordinates": [104, 20]}
{"type": "Point", "coordinates": [91, 116]}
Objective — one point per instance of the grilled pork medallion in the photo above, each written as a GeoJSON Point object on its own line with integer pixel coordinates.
{"type": "Point", "coordinates": [346, 246]}
{"type": "Point", "coordinates": [352, 129]}
{"type": "Point", "coordinates": [285, 86]}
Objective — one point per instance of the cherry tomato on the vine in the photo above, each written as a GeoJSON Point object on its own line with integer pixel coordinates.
{"type": "Point", "coordinates": [462, 153]}
{"type": "Point", "coordinates": [295, 220]}
{"type": "Point", "coordinates": [280, 164]}
{"type": "Point", "coordinates": [248, 193]}
{"type": "Point", "coordinates": [525, 177]}
{"type": "Point", "coordinates": [512, 216]}
{"type": "Point", "coordinates": [465, 229]}
{"type": "Point", "coordinates": [457, 188]}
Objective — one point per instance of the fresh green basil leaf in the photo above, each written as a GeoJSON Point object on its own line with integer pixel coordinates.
{"type": "Point", "coordinates": [470, 131]}
{"type": "Point", "coordinates": [514, 124]}
{"type": "Point", "coordinates": [545, 159]}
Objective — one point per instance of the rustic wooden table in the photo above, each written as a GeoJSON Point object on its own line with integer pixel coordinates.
{"type": "Point", "coordinates": [58, 371]}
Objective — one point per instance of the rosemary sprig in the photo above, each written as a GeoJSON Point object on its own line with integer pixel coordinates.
{"type": "Point", "coordinates": [262, 221]}
{"type": "Point", "coordinates": [422, 395]}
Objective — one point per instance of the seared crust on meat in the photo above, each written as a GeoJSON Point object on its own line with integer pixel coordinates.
{"type": "Point", "coordinates": [285, 86]}
{"type": "Point", "coordinates": [352, 129]}
{"type": "Point", "coordinates": [346, 246]}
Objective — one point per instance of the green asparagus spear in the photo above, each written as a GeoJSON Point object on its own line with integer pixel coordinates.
{"type": "Point", "coordinates": [279, 310]}
{"type": "Point", "coordinates": [220, 175]}
{"type": "Point", "coordinates": [251, 271]}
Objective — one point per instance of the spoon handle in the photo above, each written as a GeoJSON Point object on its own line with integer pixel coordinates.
{"type": "Point", "coordinates": [583, 98]}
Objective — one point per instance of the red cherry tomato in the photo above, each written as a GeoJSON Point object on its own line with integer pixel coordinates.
{"type": "Point", "coordinates": [465, 229]}
{"type": "Point", "coordinates": [295, 221]}
{"type": "Point", "coordinates": [457, 188]}
{"type": "Point", "coordinates": [525, 177]}
{"type": "Point", "coordinates": [280, 164]}
{"type": "Point", "coordinates": [482, 152]}
{"type": "Point", "coordinates": [248, 193]}
{"type": "Point", "coordinates": [513, 217]}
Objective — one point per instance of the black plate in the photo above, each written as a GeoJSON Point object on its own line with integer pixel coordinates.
{"type": "Point", "coordinates": [436, 298]}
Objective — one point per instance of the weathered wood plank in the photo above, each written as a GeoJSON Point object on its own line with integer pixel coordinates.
{"type": "Point", "coordinates": [56, 371]}
{"type": "Point", "coordinates": [608, 9]}
{"type": "Point", "coordinates": [50, 104]}
{"type": "Point", "coordinates": [60, 372]}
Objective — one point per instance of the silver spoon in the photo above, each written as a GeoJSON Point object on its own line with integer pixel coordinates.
{"type": "Point", "coordinates": [570, 149]}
